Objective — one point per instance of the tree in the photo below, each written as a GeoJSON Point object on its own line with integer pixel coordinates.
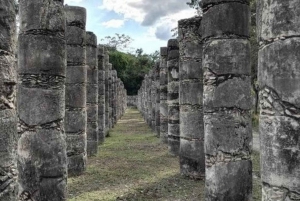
{"type": "Point", "coordinates": [118, 42]}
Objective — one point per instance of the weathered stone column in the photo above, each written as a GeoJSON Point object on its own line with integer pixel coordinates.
{"type": "Point", "coordinates": [114, 97]}
{"type": "Point", "coordinates": [153, 98]}
{"type": "Point", "coordinates": [149, 103]}
{"type": "Point", "coordinates": [173, 97]}
{"type": "Point", "coordinates": [8, 116]}
{"type": "Point", "coordinates": [146, 89]}
{"type": "Point", "coordinates": [76, 117]}
{"type": "Point", "coordinates": [227, 100]}
{"type": "Point", "coordinates": [101, 95]}
{"type": "Point", "coordinates": [192, 158]}
{"type": "Point", "coordinates": [163, 108]}
{"type": "Point", "coordinates": [42, 158]}
{"type": "Point", "coordinates": [107, 98]}
{"type": "Point", "coordinates": [110, 96]}
{"type": "Point", "coordinates": [157, 98]}
{"type": "Point", "coordinates": [279, 79]}
{"type": "Point", "coordinates": [92, 94]}
{"type": "Point", "coordinates": [120, 99]}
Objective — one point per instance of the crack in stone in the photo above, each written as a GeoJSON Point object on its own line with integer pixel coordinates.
{"type": "Point", "coordinates": [78, 24]}
{"type": "Point", "coordinates": [56, 125]}
{"type": "Point", "coordinates": [42, 81]}
{"type": "Point", "coordinates": [226, 36]}
{"type": "Point", "coordinates": [270, 192]}
{"type": "Point", "coordinates": [45, 32]}
{"type": "Point", "coordinates": [8, 96]}
{"type": "Point", "coordinates": [208, 6]}
{"type": "Point", "coordinates": [213, 79]}
{"type": "Point", "coordinates": [272, 105]}
{"type": "Point", "coordinates": [225, 157]}
{"type": "Point", "coordinates": [8, 177]}
{"type": "Point", "coordinates": [71, 63]}
{"type": "Point", "coordinates": [5, 53]}
{"type": "Point", "coordinates": [227, 110]}
{"type": "Point", "coordinates": [70, 108]}
{"type": "Point", "coordinates": [264, 43]}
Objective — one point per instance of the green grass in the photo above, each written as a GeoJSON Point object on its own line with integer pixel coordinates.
{"type": "Point", "coordinates": [256, 176]}
{"type": "Point", "coordinates": [132, 164]}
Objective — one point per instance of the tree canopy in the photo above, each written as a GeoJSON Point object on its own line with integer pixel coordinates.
{"type": "Point", "coordinates": [132, 68]}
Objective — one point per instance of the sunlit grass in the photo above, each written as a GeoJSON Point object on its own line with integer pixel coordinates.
{"type": "Point", "coordinates": [132, 164]}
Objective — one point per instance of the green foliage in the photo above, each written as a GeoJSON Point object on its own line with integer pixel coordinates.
{"type": "Point", "coordinates": [132, 68]}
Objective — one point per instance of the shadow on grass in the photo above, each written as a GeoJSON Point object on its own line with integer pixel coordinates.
{"type": "Point", "coordinates": [175, 187]}
{"type": "Point", "coordinates": [133, 165]}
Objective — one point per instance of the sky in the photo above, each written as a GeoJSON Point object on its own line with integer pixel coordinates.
{"type": "Point", "coordinates": [147, 22]}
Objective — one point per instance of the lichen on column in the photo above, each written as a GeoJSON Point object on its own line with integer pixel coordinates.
{"type": "Point", "coordinates": [278, 31]}
{"type": "Point", "coordinates": [76, 116]}
{"type": "Point", "coordinates": [8, 116]}
{"type": "Point", "coordinates": [173, 97]}
{"type": "Point", "coordinates": [92, 93]}
{"type": "Point", "coordinates": [192, 158]}
{"type": "Point", "coordinates": [163, 108]}
{"type": "Point", "coordinates": [101, 95]}
{"type": "Point", "coordinates": [227, 99]}
{"type": "Point", "coordinates": [42, 159]}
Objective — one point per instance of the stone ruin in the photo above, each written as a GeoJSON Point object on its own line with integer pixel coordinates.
{"type": "Point", "coordinates": [279, 80]}
{"type": "Point", "coordinates": [58, 105]}
{"type": "Point", "coordinates": [215, 130]}
{"type": "Point", "coordinates": [49, 116]}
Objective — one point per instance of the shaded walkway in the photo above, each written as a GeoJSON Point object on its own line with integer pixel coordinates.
{"type": "Point", "coordinates": [132, 164]}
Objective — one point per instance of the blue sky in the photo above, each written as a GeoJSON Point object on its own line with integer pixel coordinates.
{"type": "Point", "coordinates": [148, 22]}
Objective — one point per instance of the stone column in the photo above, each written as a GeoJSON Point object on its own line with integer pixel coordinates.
{"type": "Point", "coordinates": [107, 99]}
{"type": "Point", "coordinates": [153, 99]}
{"type": "Point", "coordinates": [192, 158]}
{"type": "Point", "coordinates": [119, 103]}
{"type": "Point", "coordinates": [114, 97]}
{"type": "Point", "coordinates": [149, 94]}
{"type": "Point", "coordinates": [146, 98]}
{"type": "Point", "coordinates": [42, 158]}
{"type": "Point", "coordinates": [157, 99]}
{"type": "Point", "coordinates": [92, 94]}
{"type": "Point", "coordinates": [76, 117]}
{"type": "Point", "coordinates": [8, 116]}
{"type": "Point", "coordinates": [173, 97]}
{"type": "Point", "coordinates": [227, 100]}
{"type": "Point", "coordinates": [101, 95]}
{"type": "Point", "coordinates": [279, 79]}
{"type": "Point", "coordinates": [163, 108]}
{"type": "Point", "coordinates": [110, 94]}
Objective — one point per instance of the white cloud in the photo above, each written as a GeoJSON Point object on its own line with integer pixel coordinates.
{"type": "Point", "coordinates": [114, 23]}
{"type": "Point", "coordinates": [72, 1]}
{"type": "Point", "coordinates": [124, 8]}
{"type": "Point", "coordinates": [159, 16]}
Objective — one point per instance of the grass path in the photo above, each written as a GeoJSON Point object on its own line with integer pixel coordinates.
{"type": "Point", "coordinates": [133, 165]}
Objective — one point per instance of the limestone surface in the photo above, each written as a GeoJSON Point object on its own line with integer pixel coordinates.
{"type": "Point", "coordinates": [192, 158]}
{"type": "Point", "coordinates": [173, 97]}
{"type": "Point", "coordinates": [227, 100]}
{"type": "Point", "coordinates": [279, 81]}
{"type": "Point", "coordinates": [92, 93]}
{"type": "Point", "coordinates": [42, 157]}
{"type": "Point", "coordinates": [8, 115]}
{"type": "Point", "coordinates": [76, 93]}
